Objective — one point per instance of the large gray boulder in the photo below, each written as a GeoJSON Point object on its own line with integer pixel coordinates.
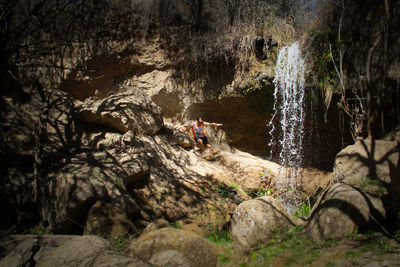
{"type": "Point", "coordinates": [122, 112]}
{"type": "Point", "coordinates": [152, 246]}
{"type": "Point", "coordinates": [255, 221]}
{"type": "Point", "coordinates": [342, 210]}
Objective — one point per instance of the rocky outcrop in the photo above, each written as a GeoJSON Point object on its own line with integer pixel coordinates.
{"type": "Point", "coordinates": [122, 112]}
{"type": "Point", "coordinates": [53, 250]}
{"type": "Point", "coordinates": [341, 211]}
{"type": "Point", "coordinates": [255, 221]}
{"type": "Point", "coordinates": [159, 246]}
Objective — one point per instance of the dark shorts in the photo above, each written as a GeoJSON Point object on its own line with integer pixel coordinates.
{"type": "Point", "coordinates": [204, 138]}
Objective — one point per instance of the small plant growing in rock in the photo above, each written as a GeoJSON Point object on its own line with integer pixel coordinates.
{"type": "Point", "coordinates": [303, 211]}
{"type": "Point", "coordinates": [37, 230]}
{"type": "Point", "coordinates": [120, 243]}
{"type": "Point", "coordinates": [222, 190]}
{"type": "Point", "coordinates": [118, 183]}
{"type": "Point", "coordinates": [175, 225]}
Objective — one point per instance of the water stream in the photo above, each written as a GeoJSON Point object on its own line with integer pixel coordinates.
{"type": "Point", "coordinates": [287, 122]}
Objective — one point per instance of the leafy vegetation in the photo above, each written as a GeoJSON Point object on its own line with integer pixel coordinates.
{"type": "Point", "coordinates": [120, 243]}
{"type": "Point", "coordinates": [223, 190]}
{"type": "Point", "coordinates": [221, 237]}
{"type": "Point", "coordinates": [175, 225]}
{"type": "Point", "coordinates": [303, 211]}
{"type": "Point", "coordinates": [37, 230]}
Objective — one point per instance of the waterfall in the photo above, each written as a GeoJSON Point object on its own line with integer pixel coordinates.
{"type": "Point", "coordinates": [287, 122]}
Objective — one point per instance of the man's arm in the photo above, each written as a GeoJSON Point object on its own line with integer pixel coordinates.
{"type": "Point", "coordinates": [212, 124]}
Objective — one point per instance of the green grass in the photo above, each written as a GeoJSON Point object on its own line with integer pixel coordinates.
{"type": "Point", "coordinates": [219, 237]}
{"type": "Point", "coordinates": [288, 243]}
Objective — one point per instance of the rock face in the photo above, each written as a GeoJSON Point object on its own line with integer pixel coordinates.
{"type": "Point", "coordinates": [157, 245]}
{"type": "Point", "coordinates": [342, 210]}
{"type": "Point", "coordinates": [123, 112]}
{"type": "Point", "coordinates": [255, 221]}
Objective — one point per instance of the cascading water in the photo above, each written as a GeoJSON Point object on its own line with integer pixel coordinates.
{"type": "Point", "coordinates": [287, 122]}
{"type": "Point", "coordinates": [288, 106]}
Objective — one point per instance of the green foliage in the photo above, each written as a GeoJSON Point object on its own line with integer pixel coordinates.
{"type": "Point", "coordinates": [118, 183]}
{"type": "Point", "coordinates": [223, 259]}
{"type": "Point", "coordinates": [223, 190]}
{"type": "Point", "coordinates": [303, 211]}
{"type": "Point", "coordinates": [396, 235]}
{"type": "Point", "coordinates": [120, 243]}
{"type": "Point", "coordinates": [219, 237]}
{"type": "Point", "coordinates": [354, 235]}
{"type": "Point", "coordinates": [288, 242]}
{"type": "Point", "coordinates": [329, 263]}
{"type": "Point", "coordinates": [37, 230]}
{"type": "Point", "coordinates": [175, 225]}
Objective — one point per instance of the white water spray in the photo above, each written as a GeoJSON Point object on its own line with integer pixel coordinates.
{"type": "Point", "coordinates": [287, 122]}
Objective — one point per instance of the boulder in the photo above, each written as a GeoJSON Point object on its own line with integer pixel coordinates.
{"type": "Point", "coordinates": [107, 221]}
{"type": "Point", "coordinates": [360, 159]}
{"type": "Point", "coordinates": [76, 187]}
{"type": "Point", "coordinates": [155, 225]}
{"type": "Point", "coordinates": [254, 173]}
{"type": "Point", "coordinates": [79, 251]}
{"type": "Point", "coordinates": [195, 248]}
{"type": "Point", "coordinates": [62, 250]}
{"type": "Point", "coordinates": [170, 258]}
{"type": "Point", "coordinates": [255, 221]}
{"type": "Point", "coordinates": [23, 250]}
{"type": "Point", "coordinates": [177, 135]}
{"type": "Point", "coordinates": [122, 112]}
{"type": "Point", "coordinates": [110, 258]}
{"type": "Point", "coordinates": [342, 210]}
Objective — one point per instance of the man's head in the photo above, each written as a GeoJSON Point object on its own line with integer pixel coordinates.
{"type": "Point", "coordinates": [200, 120]}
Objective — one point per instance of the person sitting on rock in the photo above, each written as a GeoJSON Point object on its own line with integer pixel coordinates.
{"type": "Point", "coordinates": [199, 136]}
